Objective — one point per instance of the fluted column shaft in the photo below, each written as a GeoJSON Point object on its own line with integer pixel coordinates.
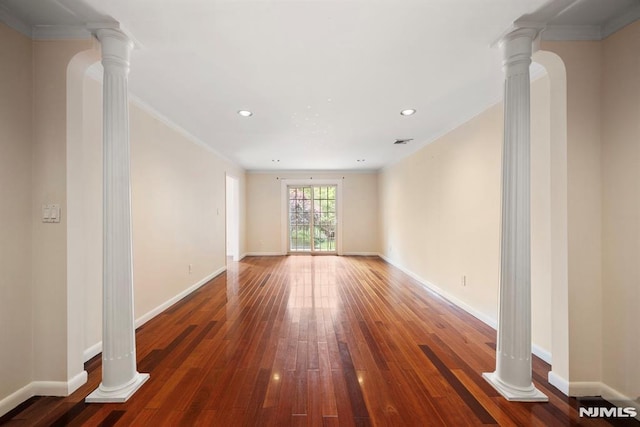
{"type": "Point", "coordinates": [120, 378]}
{"type": "Point", "coordinates": [512, 377]}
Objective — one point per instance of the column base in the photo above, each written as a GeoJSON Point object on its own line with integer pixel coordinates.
{"type": "Point", "coordinates": [120, 395]}
{"type": "Point", "coordinates": [515, 394]}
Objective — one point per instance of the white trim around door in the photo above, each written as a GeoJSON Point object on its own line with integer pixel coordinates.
{"type": "Point", "coordinates": [284, 208]}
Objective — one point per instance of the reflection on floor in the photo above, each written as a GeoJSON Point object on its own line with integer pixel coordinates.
{"type": "Point", "coordinates": [305, 340]}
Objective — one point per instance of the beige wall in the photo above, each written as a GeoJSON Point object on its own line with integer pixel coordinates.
{"type": "Point", "coordinates": [359, 210]}
{"type": "Point", "coordinates": [621, 211]}
{"type": "Point", "coordinates": [541, 278]}
{"type": "Point", "coordinates": [50, 337]}
{"type": "Point", "coordinates": [178, 203]}
{"type": "Point", "coordinates": [603, 93]}
{"type": "Point", "coordinates": [178, 206]}
{"type": "Point", "coordinates": [263, 214]}
{"type": "Point", "coordinates": [34, 119]}
{"type": "Point", "coordinates": [16, 354]}
{"type": "Point", "coordinates": [583, 62]}
{"type": "Point", "coordinates": [440, 214]}
{"type": "Point", "coordinates": [89, 167]}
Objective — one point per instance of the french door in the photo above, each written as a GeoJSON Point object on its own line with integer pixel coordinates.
{"type": "Point", "coordinates": [312, 218]}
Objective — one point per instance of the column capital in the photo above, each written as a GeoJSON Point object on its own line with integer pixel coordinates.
{"type": "Point", "coordinates": [116, 48]}
{"type": "Point", "coordinates": [517, 46]}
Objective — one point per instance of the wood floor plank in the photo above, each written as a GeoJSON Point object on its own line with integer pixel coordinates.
{"type": "Point", "coordinates": [320, 341]}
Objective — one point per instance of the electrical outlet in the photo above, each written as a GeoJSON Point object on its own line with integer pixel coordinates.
{"type": "Point", "coordinates": [190, 268]}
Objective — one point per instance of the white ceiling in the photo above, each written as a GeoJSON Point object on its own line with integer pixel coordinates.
{"type": "Point", "coordinates": [325, 79]}
{"type": "Point", "coordinates": [594, 12]}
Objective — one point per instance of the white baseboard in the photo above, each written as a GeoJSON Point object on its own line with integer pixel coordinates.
{"type": "Point", "coordinates": [50, 388]}
{"type": "Point", "coordinates": [97, 348]}
{"type": "Point", "coordinates": [284, 254]}
{"type": "Point", "coordinates": [610, 393]}
{"type": "Point", "coordinates": [558, 382]}
{"type": "Point", "coordinates": [443, 294]}
{"type": "Point", "coordinates": [360, 254]}
{"type": "Point", "coordinates": [593, 388]}
{"type": "Point", "coordinates": [488, 320]}
{"type": "Point", "coordinates": [585, 388]}
{"type": "Point", "coordinates": [16, 398]}
{"type": "Point", "coordinates": [42, 388]}
{"type": "Point", "coordinates": [542, 353]}
{"type": "Point", "coordinates": [59, 388]}
{"type": "Point", "coordinates": [162, 307]}
{"type": "Point", "coordinates": [243, 256]}
{"type": "Point", "coordinates": [92, 351]}
{"type": "Point", "coordinates": [264, 254]}
{"type": "Point", "coordinates": [77, 381]}
{"type": "Point", "coordinates": [619, 399]}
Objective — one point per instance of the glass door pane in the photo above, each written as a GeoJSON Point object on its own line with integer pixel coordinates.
{"type": "Point", "coordinates": [324, 224]}
{"type": "Point", "coordinates": [300, 206]}
{"type": "Point", "coordinates": [312, 219]}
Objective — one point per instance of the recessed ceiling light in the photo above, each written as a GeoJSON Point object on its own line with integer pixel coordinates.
{"type": "Point", "coordinates": [245, 113]}
{"type": "Point", "coordinates": [408, 112]}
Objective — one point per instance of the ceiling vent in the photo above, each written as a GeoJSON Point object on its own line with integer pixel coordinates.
{"type": "Point", "coordinates": [402, 141]}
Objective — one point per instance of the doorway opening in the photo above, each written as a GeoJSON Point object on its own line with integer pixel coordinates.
{"type": "Point", "coordinates": [312, 218]}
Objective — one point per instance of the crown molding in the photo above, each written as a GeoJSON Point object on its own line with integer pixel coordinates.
{"type": "Point", "coordinates": [619, 22]}
{"type": "Point", "coordinates": [180, 130]}
{"type": "Point", "coordinates": [96, 73]}
{"type": "Point", "coordinates": [537, 20]}
{"type": "Point", "coordinates": [311, 172]}
{"type": "Point", "coordinates": [13, 22]}
{"type": "Point", "coordinates": [572, 32]}
{"type": "Point", "coordinates": [43, 32]}
{"type": "Point", "coordinates": [591, 32]}
{"type": "Point", "coordinates": [544, 14]}
{"type": "Point", "coordinates": [60, 32]}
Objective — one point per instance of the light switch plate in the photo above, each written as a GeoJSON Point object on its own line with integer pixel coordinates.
{"type": "Point", "coordinates": [51, 213]}
{"type": "Point", "coordinates": [46, 213]}
{"type": "Point", "coordinates": [55, 213]}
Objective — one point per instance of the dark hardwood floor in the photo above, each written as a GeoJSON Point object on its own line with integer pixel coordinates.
{"type": "Point", "coordinates": [321, 341]}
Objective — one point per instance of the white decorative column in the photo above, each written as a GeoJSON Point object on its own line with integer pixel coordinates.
{"type": "Point", "coordinates": [512, 377]}
{"type": "Point", "coordinates": [120, 378]}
